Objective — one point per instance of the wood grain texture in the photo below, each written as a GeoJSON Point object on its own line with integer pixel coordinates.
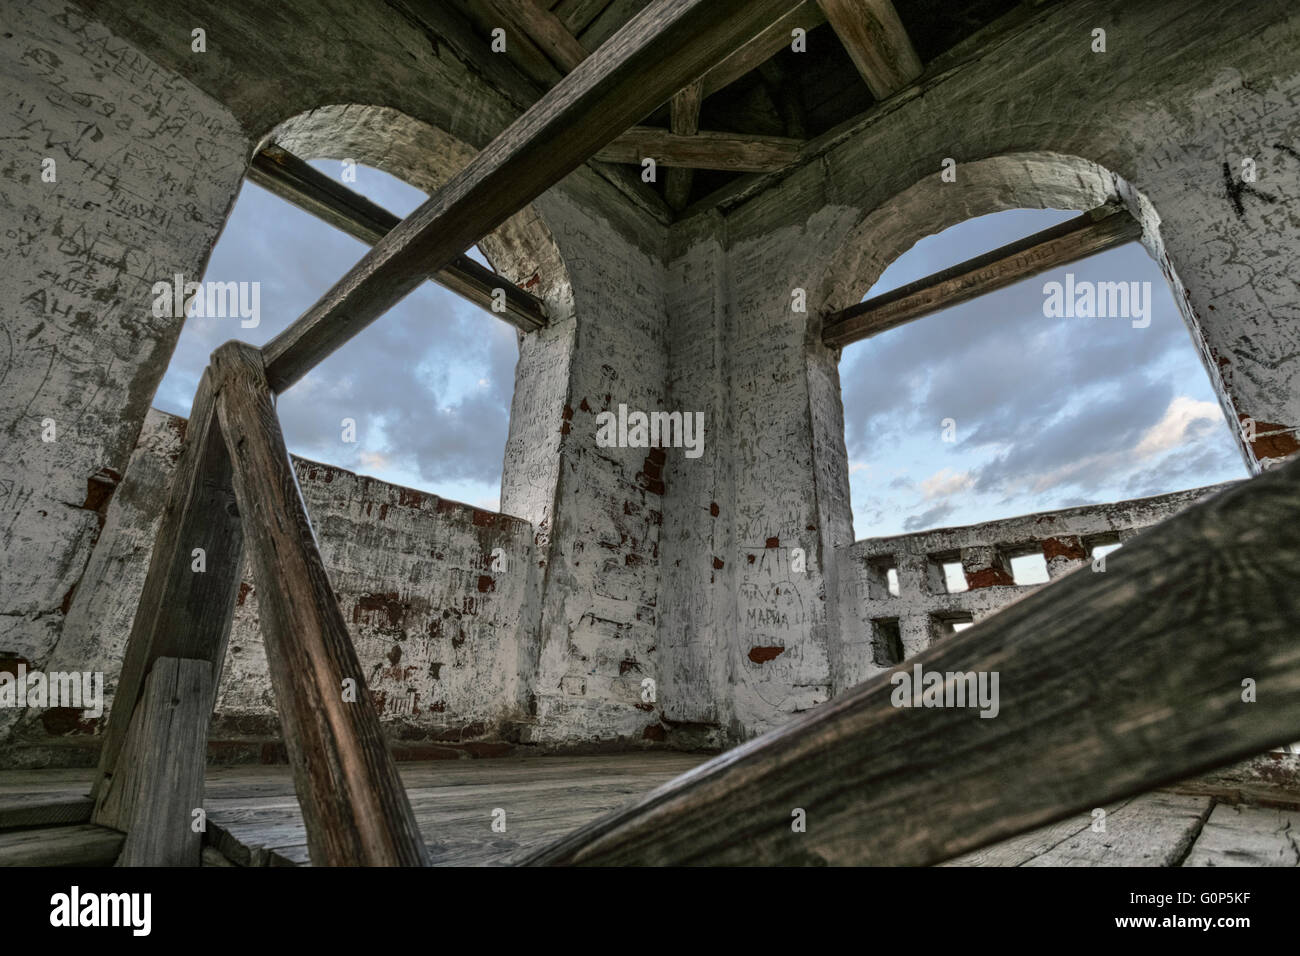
{"type": "Point", "coordinates": [779, 35]}
{"type": "Point", "coordinates": [39, 810]}
{"type": "Point", "coordinates": [545, 29]}
{"type": "Point", "coordinates": [1247, 836]}
{"type": "Point", "coordinates": [735, 152]}
{"type": "Point", "coordinates": [84, 844]}
{"type": "Point", "coordinates": [183, 613]}
{"type": "Point", "coordinates": [279, 171]}
{"type": "Point", "coordinates": [160, 783]}
{"type": "Point", "coordinates": [1110, 684]}
{"type": "Point", "coordinates": [684, 120]}
{"type": "Point", "coordinates": [638, 69]}
{"type": "Point", "coordinates": [1093, 232]}
{"type": "Point", "coordinates": [576, 14]}
{"type": "Point", "coordinates": [355, 809]}
{"type": "Point", "coordinates": [876, 41]}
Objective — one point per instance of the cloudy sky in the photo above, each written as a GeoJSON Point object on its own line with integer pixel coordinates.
{"type": "Point", "coordinates": [428, 384]}
{"type": "Point", "coordinates": [1048, 412]}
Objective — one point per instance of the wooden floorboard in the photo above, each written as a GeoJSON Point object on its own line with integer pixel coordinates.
{"type": "Point", "coordinates": [254, 818]}
{"type": "Point", "coordinates": [1248, 836]}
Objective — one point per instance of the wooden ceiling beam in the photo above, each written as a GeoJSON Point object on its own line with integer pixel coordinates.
{"type": "Point", "coordinates": [763, 47]}
{"type": "Point", "coordinates": [294, 180]}
{"type": "Point", "coordinates": [877, 41]}
{"type": "Point", "coordinates": [733, 152]}
{"type": "Point", "coordinates": [1095, 231]}
{"type": "Point", "coordinates": [654, 55]}
{"type": "Point", "coordinates": [545, 30]}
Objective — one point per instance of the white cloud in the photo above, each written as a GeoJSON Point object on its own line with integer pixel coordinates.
{"type": "Point", "coordinates": [945, 483]}
{"type": "Point", "coordinates": [1171, 431]}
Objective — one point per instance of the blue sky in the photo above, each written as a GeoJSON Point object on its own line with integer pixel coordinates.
{"type": "Point", "coordinates": [428, 384]}
{"type": "Point", "coordinates": [1049, 413]}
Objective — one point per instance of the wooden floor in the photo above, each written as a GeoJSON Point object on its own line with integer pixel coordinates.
{"type": "Point", "coordinates": [254, 820]}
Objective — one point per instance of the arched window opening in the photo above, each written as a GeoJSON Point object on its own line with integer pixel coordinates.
{"type": "Point", "coordinates": [1014, 402]}
{"type": "Point", "coordinates": [420, 398]}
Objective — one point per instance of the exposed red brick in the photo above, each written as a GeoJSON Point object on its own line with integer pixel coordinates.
{"type": "Point", "coordinates": [987, 578]}
{"type": "Point", "coordinates": [655, 732]}
{"type": "Point", "coordinates": [383, 512]}
{"type": "Point", "coordinates": [485, 519]}
{"type": "Point", "coordinates": [772, 543]}
{"type": "Point", "coordinates": [567, 414]}
{"type": "Point", "coordinates": [531, 281]}
{"type": "Point", "coordinates": [713, 508]}
{"type": "Point", "coordinates": [389, 602]}
{"type": "Point", "coordinates": [718, 563]}
{"type": "Point", "coordinates": [486, 584]}
{"type": "Point", "coordinates": [244, 590]}
{"type": "Point", "coordinates": [584, 406]}
{"type": "Point", "coordinates": [761, 655]}
{"type": "Point", "coordinates": [409, 498]}
{"type": "Point", "coordinates": [1068, 547]}
{"type": "Point", "coordinates": [1278, 445]}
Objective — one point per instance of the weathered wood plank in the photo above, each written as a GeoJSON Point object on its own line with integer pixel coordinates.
{"type": "Point", "coordinates": [545, 29]}
{"type": "Point", "coordinates": [1154, 829]}
{"type": "Point", "coordinates": [656, 54]}
{"type": "Point", "coordinates": [84, 844]}
{"type": "Point", "coordinates": [684, 120]}
{"type": "Point", "coordinates": [876, 41]}
{"type": "Point", "coordinates": [160, 781]}
{"type": "Point", "coordinates": [32, 810]}
{"type": "Point", "coordinates": [576, 14]}
{"type": "Point", "coordinates": [735, 152]}
{"type": "Point", "coordinates": [1247, 836]}
{"type": "Point", "coordinates": [296, 181]}
{"type": "Point", "coordinates": [182, 612]}
{"type": "Point", "coordinates": [1088, 234]}
{"type": "Point", "coordinates": [353, 803]}
{"type": "Point", "coordinates": [1108, 686]}
{"type": "Point", "coordinates": [806, 16]}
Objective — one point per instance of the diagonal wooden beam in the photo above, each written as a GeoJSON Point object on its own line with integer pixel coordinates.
{"type": "Point", "coordinates": [684, 120]}
{"type": "Point", "coordinates": [1109, 684]}
{"type": "Point", "coordinates": [658, 52]}
{"type": "Point", "coordinates": [545, 29]}
{"type": "Point", "coordinates": [763, 47]}
{"type": "Point", "coordinates": [1096, 231]}
{"type": "Point", "coordinates": [298, 182]}
{"type": "Point", "coordinates": [735, 152]}
{"type": "Point", "coordinates": [353, 803]}
{"type": "Point", "coordinates": [877, 41]}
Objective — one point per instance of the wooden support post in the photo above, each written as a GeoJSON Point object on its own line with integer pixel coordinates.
{"type": "Point", "coordinates": [1095, 231]}
{"type": "Point", "coordinates": [353, 802]}
{"type": "Point", "coordinates": [162, 761]}
{"type": "Point", "coordinates": [1108, 684]}
{"type": "Point", "coordinates": [183, 612]}
{"type": "Point", "coordinates": [684, 120]}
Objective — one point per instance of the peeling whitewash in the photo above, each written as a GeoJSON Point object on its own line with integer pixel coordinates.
{"type": "Point", "coordinates": [731, 580]}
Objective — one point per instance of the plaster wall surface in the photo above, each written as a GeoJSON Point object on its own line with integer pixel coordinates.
{"type": "Point", "coordinates": [438, 597]}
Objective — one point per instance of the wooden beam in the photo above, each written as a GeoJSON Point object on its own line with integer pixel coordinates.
{"type": "Point", "coordinates": [763, 47]}
{"type": "Point", "coordinates": [684, 120]}
{"type": "Point", "coordinates": [877, 42]}
{"type": "Point", "coordinates": [545, 30]}
{"type": "Point", "coordinates": [657, 53]}
{"type": "Point", "coordinates": [576, 14]}
{"type": "Point", "coordinates": [1093, 232]}
{"type": "Point", "coordinates": [165, 753]}
{"type": "Point", "coordinates": [182, 613]}
{"type": "Point", "coordinates": [297, 181]}
{"type": "Point", "coordinates": [353, 803]}
{"type": "Point", "coordinates": [1109, 684]}
{"type": "Point", "coordinates": [734, 152]}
